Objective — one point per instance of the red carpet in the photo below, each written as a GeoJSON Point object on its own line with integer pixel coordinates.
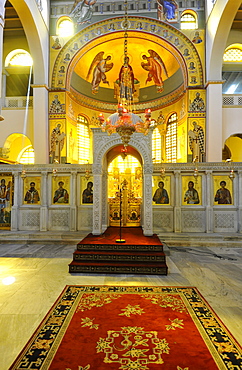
{"type": "Point", "coordinates": [138, 254]}
{"type": "Point", "coordinates": [132, 235]}
{"type": "Point", "coordinates": [130, 328]}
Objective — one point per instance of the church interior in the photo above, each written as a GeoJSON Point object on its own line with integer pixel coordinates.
{"type": "Point", "coordinates": [118, 114]}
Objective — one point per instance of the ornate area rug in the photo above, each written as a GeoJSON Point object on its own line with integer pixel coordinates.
{"type": "Point", "coordinates": [130, 328]}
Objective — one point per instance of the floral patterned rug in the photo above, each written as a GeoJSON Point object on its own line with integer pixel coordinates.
{"type": "Point", "coordinates": [130, 328]}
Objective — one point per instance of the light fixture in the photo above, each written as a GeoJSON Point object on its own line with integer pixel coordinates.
{"type": "Point", "coordinates": [231, 172]}
{"type": "Point", "coordinates": [23, 174]}
{"type": "Point", "coordinates": [54, 171]}
{"type": "Point", "coordinates": [124, 122]}
{"type": "Point", "coordinates": [87, 171]}
{"type": "Point", "coordinates": [162, 173]}
{"type": "Point", "coordinates": [195, 172]}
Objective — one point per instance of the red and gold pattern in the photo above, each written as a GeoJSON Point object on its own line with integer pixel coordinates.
{"type": "Point", "coordinates": [130, 328]}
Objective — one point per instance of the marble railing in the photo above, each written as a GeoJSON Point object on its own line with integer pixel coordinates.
{"type": "Point", "coordinates": [176, 215]}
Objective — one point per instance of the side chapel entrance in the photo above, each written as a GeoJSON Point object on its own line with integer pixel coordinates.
{"type": "Point", "coordinates": [125, 191]}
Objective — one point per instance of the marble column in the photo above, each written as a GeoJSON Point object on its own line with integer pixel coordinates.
{"type": "Point", "coordinates": [40, 115]}
{"type": "Point", "coordinates": [105, 207]}
{"type": "Point", "coordinates": [240, 201]}
{"type": "Point", "coordinates": [43, 207]}
{"type": "Point", "coordinates": [177, 207]}
{"type": "Point", "coordinates": [208, 197]}
{"type": "Point", "coordinates": [214, 143]}
{"type": "Point", "coordinates": [73, 208]}
{"type": "Point", "coordinates": [2, 15]}
{"type": "Point", "coordinates": [16, 201]}
{"type": "Point", "coordinates": [147, 217]}
{"type": "Point", "coordinates": [97, 200]}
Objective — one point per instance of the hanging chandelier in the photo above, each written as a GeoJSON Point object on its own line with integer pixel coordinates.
{"type": "Point", "coordinates": [124, 122]}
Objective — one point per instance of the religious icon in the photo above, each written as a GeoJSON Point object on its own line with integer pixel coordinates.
{"type": "Point", "coordinates": [32, 190]}
{"type": "Point", "coordinates": [56, 44]}
{"type": "Point", "coordinates": [191, 190]}
{"type": "Point", "coordinates": [169, 9]}
{"type": "Point", "coordinates": [61, 193]}
{"type": "Point", "coordinates": [82, 10]}
{"type": "Point", "coordinates": [57, 141]}
{"type": "Point", "coordinates": [156, 67]}
{"type": "Point", "coordinates": [197, 39]}
{"type": "Point", "coordinates": [98, 68]}
{"type": "Point", "coordinates": [161, 195]}
{"type": "Point", "coordinates": [56, 106]}
{"type": "Point", "coordinates": [223, 192]}
{"type": "Point", "coordinates": [191, 195]}
{"type": "Point", "coordinates": [196, 142]}
{"type": "Point", "coordinates": [87, 195]}
{"type": "Point", "coordinates": [6, 200]}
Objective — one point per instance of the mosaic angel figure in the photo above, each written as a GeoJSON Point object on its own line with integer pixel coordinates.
{"type": "Point", "coordinates": [155, 66]}
{"type": "Point", "coordinates": [98, 68]}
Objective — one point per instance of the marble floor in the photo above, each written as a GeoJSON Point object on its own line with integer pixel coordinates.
{"type": "Point", "coordinates": [41, 273]}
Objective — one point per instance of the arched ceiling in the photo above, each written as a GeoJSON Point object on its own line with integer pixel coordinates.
{"type": "Point", "coordinates": [138, 45]}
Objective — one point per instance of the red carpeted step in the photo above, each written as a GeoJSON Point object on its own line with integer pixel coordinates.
{"type": "Point", "coordinates": [118, 256]}
{"type": "Point", "coordinates": [130, 268]}
{"type": "Point", "coordinates": [103, 254]}
{"type": "Point", "coordinates": [121, 247]}
{"type": "Point", "coordinates": [132, 236]}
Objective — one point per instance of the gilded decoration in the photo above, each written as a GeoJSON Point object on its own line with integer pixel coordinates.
{"type": "Point", "coordinates": [120, 347]}
{"type": "Point", "coordinates": [177, 50]}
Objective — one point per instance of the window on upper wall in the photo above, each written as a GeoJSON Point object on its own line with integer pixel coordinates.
{"type": "Point", "coordinates": [156, 146]}
{"type": "Point", "coordinates": [64, 27]}
{"type": "Point", "coordinates": [83, 139]}
{"type": "Point", "coordinates": [171, 139]}
{"type": "Point", "coordinates": [18, 57]}
{"type": "Point", "coordinates": [188, 20]}
{"type": "Point", "coordinates": [27, 156]}
{"type": "Point", "coordinates": [233, 53]}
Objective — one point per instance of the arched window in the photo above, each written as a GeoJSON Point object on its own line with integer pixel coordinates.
{"type": "Point", "coordinates": [64, 27]}
{"type": "Point", "coordinates": [156, 146]}
{"type": "Point", "coordinates": [83, 139]}
{"type": "Point", "coordinates": [18, 57]}
{"type": "Point", "coordinates": [171, 139]}
{"type": "Point", "coordinates": [27, 156]}
{"type": "Point", "coordinates": [233, 53]}
{"type": "Point", "coordinates": [188, 20]}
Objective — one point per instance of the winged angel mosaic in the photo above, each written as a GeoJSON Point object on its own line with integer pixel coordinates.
{"type": "Point", "coordinates": [156, 67]}
{"type": "Point", "coordinates": [98, 69]}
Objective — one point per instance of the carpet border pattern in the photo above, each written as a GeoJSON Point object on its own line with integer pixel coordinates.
{"type": "Point", "coordinates": [225, 350]}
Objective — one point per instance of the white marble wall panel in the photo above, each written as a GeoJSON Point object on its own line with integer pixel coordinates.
{"type": "Point", "coordinates": [59, 219]}
{"type": "Point", "coordinates": [163, 219]}
{"type": "Point", "coordinates": [176, 217]}
{"type": "Point", "coordinates": [193, 220]}
{"type": "Point", "coordinates": [225, 221]}
{"type": "Point", "coordinates": [29, 219]}
{"type": "Point", "coordinates": [85, 217]}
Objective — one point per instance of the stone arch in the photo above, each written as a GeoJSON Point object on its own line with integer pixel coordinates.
{"type": "Point", "coordinates": [102, 143]}
{"type": "Point", "coordinates": [138, 141]}
{"type": "Point", "coordinates": [218, 28]}
{"type": "Point", "coordinates": [175, 40]}
{"type": "Point", "coordinates": [37, 36]}
{"type": "Point", "coordinates": [15, 144]}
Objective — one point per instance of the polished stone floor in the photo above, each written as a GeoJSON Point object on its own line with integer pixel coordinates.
{"type": "Point", "coordinates": [41, 273]}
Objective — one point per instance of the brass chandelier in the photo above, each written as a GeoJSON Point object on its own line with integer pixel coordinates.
{"type": "Point", "coordinates": [124, 122]}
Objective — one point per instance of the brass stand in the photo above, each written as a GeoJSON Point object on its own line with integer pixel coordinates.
{"type": "Point", "coordinates": [120, 240]}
